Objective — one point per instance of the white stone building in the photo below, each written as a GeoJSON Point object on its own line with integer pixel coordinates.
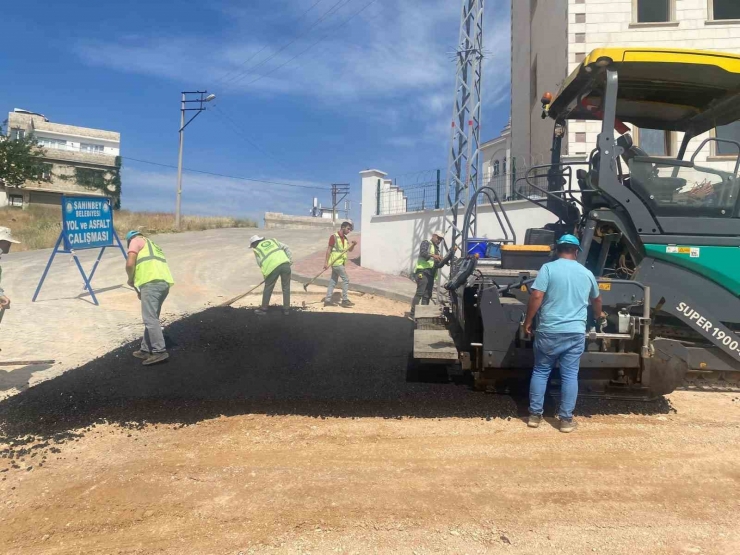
{"type": "Point", "coordinates": [551, 37]}
{"type": "Point", "coordinates": [495, 160]}
{"type": "Point", "coordinates": [78, 160]}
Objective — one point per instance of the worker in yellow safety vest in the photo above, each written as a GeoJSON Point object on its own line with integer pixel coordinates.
{"type": "Point", "coordinates": [274, 260]}
{"type": "Point", "coordinates": [6, 240]}
{"type": "Point", "coordinates": [425, 271]}
{"type": "Point", "coordinates": [336, 259]}
{"type": "Point", "coordinates": [150, 275]}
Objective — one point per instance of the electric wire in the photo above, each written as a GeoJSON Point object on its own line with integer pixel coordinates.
{"type": "Point", "coordinates": [311, 45]}
{"type": "Point", "coordinates": [242, 74]}
{"type": "Point", "coordinates": [235, 128]}
{"type": "Point", "coordinates": [238, 177]}
{"type": "Point", "coordinates": [245, 62]}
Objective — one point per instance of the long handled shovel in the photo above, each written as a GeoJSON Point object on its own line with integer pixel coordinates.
{"type": "Point", "coordinates": [305, 285]}
{"type": "Point", "coordinates": [239, 297]}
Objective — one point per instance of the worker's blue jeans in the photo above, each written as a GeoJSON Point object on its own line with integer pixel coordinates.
{"type": "Point", "coordinates": [549, 349]}
{"type": "Point", "coordinates": [336, 273]}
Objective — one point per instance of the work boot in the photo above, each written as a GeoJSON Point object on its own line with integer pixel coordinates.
{"type": "Point", "coordinates": [328, 302]}
{"type": "Point", "coordinates": [567, 425]}
{"type": "Point", "coordinates": [347, 303]}
{"type": "Point", "coordinates": [534, 420]}
{"type": "Point", "coordinates": [260, 311]}
{"type": "Point", "coordinates": [154, 358]}
{"type": "Point", "coordinates": [142, 354]}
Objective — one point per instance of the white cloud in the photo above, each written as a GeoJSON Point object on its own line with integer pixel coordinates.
{"type": "Point", "coordinates": [391, 62]}
{"type": "Point", "coordinates": [213, 195]}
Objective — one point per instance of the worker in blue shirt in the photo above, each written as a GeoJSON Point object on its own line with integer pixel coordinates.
{"type": "Point", "coordinates": [560, 294]}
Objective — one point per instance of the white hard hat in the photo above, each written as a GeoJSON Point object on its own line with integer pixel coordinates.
{"type": "Point", "coordinates": [6, 236]}
{"type": "Point", "coordinates": [255, 239]}
{"type": "Point", "coordinates": [439, 234]}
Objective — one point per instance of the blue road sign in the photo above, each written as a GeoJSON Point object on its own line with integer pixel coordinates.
{"type": "Point", "coordinates": [88, 222]}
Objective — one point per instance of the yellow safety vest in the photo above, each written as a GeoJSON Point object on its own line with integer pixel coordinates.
{"type": "Point", "coordinates": [270, 255]}
{"type": "Point", "coordinates": [338, 256]}
{"type": "Point", "coordinates": [151, 265]}
{"type": "Point", "coordinates": [422, 264]}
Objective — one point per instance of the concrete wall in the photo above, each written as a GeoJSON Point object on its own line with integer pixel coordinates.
{"type": "Point", "coordinates": [276, 220]}
{"type": "Point", "coordinates": [390, 244]}
{"type": "Point", "coordinates": [539, 46]}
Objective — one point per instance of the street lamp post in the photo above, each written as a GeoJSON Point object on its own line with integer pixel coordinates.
{"type": "Point", "coordinates": [201, 99]}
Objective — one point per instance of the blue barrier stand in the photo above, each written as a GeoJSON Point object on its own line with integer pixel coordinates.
{"type": "Point", "coordinates": [67, 202]}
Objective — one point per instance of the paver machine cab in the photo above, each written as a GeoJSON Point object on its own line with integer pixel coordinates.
{"type": "Point", "coordinates": [661, 235]}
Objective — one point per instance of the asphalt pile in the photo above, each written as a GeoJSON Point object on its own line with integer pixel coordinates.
{"type": "Point", "coordinates": [227, 361]}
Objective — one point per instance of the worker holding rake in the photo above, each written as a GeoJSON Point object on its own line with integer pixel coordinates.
{"type": "Point", "coordinates": [274, 260]}
{"type": "Point", "coordinates": [336, 259]}
{"type": "Point", "coordinates": [6, 240]}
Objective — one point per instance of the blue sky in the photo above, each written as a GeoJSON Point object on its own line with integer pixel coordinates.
{"type": "Point", "coordinates": [325, 88]}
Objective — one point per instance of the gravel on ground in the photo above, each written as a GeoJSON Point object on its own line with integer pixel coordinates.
{"type": "Point", "coordinates": [309, 433]}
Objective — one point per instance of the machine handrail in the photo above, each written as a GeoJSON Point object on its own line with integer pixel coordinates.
{"type": "Point", "coordinates": [486, 190]}
{"type": "Point", "coordinates": [717, 140]}
{"type": "Point", "coordinates": [664, 161]}
{"type": "Point", "coordinates": [568, 172]}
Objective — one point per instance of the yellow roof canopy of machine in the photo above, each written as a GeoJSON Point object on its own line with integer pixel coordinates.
{"type": "Point", "coordinates": [672, 89]}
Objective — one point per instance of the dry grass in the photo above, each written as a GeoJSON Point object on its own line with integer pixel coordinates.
{"type": "Point", "coordinates": [38, 227]}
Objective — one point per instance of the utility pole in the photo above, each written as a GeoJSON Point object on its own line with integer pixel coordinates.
{"type": "Point", "coordinates": [203, 97]}
{"type": "Point", "coordinates": [464, 150]}
{"type": "Point", "coordinates": [339, 192]}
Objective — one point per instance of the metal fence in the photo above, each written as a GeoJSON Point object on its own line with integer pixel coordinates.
{"type": "Point", "coordinates": [426, 190]}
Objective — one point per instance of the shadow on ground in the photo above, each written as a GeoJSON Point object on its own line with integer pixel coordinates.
{"type": "Point", "coordinates": [227, 361]}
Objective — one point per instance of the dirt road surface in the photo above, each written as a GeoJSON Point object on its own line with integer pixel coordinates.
{"type": "Point", "coordinates": [306, 434]}
{"type": "Point", "coordinates": [63, 325]}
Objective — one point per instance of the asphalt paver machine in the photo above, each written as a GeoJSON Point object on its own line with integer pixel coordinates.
{"type": "Point", "coordinates": [661, 235]}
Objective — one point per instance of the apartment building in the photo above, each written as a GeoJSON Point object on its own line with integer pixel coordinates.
{"type": "Point", "coordinates": [77, 160]}
{"type": "Point", "coordinates": [551, 37]}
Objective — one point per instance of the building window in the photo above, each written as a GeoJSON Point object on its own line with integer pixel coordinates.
{"type": "Point", "coordinates": [580, 18]}
{"type": "Point", "coordinates": [729, 132]}
{"type": "Point", "coordinates": [17, 134]}
{"type": "Point", "coordinates": [655, 142]}
{"type": "Point", "coordinates": [86, 147]}
{"type": "Point", "coordinates": [580, 137]}
{"type": "Point", "coordinates": [496, 168]}
{"type": "Point", "coordinates": [580, 38]}
{"type": "Point", "coordinates": [504, 167]}
{"type": "Point", "coordinates": [15, 201]}
{"type": "Point", "coordinates": [724, 9]}
{"type": "Point", "coordinates": [52, 143]}
{"type": "Point", "coordinates": [652, 11]}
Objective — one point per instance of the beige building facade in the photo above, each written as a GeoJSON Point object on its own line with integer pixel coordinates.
{"type": "Point", "coordinates": [551, 37]}
{"type": "Point", "coordinates": [77, 160]}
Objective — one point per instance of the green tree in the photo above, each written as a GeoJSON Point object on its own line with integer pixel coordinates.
{"type": "Point", "coordinates": [20, 159]}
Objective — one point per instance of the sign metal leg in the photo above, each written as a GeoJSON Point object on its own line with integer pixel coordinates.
{"type": "Point", "coordinates": [120, 245]}
{"type": "Point", "coordinates": [95, 267]}
{"type": "Point", "coordinates": [88, 287]}
{"type": "Point", "coordinates": [48, 265]}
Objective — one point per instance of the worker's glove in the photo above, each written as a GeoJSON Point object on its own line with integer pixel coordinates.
{"type": "Point", "coordinates": [601, 321]}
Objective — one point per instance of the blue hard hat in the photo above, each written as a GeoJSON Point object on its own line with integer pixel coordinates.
{"type": "Point", "coordinates": [569, 239]}
{"type": "Point", "coordinates": [131, 234]}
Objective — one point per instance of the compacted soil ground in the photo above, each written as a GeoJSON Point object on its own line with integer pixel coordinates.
{"type": "Point", "coordinates": [309, 434]}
